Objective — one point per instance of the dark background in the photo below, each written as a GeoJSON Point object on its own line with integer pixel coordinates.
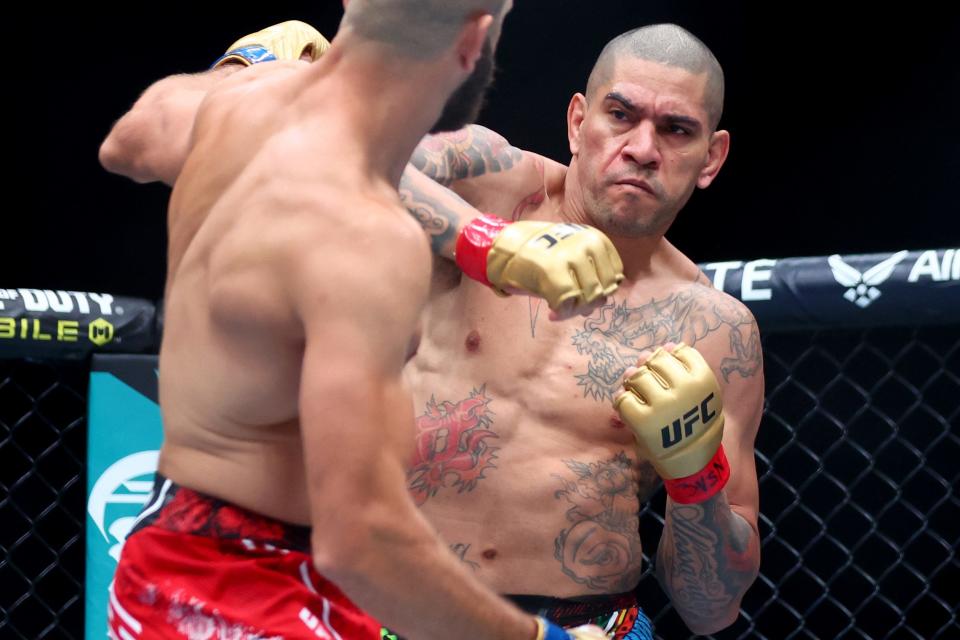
{"type": "Point", "coordinates": [844, 123]}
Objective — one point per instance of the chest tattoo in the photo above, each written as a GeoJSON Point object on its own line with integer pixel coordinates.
{"type": "Point", "coordinates": [614, 336]}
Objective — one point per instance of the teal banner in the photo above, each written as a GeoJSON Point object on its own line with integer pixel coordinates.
{"type": "Point", "coordinates": [125, 433]}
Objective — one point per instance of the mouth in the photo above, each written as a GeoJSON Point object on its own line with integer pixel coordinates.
{"type": "Point", "coordinates": [636, 184]}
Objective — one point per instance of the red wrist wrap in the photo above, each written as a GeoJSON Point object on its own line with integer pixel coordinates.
{"type": "Point", "coordinates": [702, 485]}
{"type": "Point", "coordinates": [474, 244]}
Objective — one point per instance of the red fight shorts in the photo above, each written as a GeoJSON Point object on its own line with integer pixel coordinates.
{"type": "Point", "coordinates": [199, 568]}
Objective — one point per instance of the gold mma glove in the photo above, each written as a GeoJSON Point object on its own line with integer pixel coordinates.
{"type": "Point", "coordinates": [555, 261]}
{"type": "Point", "coordinates": [673, 405]}
{"type": "Point", "coordinates": [285, 41]}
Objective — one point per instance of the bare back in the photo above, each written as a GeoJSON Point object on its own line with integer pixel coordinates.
{"type": "Point", "coordinates": [256, 216]}
{"type": "Point", "coordinates": [521, 461]}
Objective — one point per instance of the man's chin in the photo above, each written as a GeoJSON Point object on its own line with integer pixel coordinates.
{"type": "Point", "coordinates": [633, 225]}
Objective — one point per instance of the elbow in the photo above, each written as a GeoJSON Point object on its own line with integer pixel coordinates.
{"type": "Point", "coordinates": [705, 615]}
{"type": "Point", "coordinates": [346, 543]}
{"type": "Point", "coordinates": [122, 154]}
{"type": "Point", "coordinates": [360, 538]}
{"type": "Point", "coordinates": [134, 147]}
{"type": "Point", "coordinates": [339, 548]}
{"type": "Point", "coordinates": [111, 155]}
{"type": "Point", "coordinates": [708, 626]}
{"type": "Point", "coordinates": [704, 623]}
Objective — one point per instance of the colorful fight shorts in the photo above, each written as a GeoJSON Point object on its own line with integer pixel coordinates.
{"type": "Point", "coordinates": [198, 567]}
{"type": "Point", "coordinates": [619, 615]}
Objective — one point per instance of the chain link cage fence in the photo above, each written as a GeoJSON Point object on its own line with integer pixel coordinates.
{"type": "Point", "coordinates": [857, 461]}
{"type": "Point", "coordinates": [42, 498]}
{"type": "Point", "coordinates": [858, 458]}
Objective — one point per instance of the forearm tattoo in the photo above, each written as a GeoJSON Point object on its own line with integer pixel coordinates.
{"type": "Point", "coordinates": [707, 559]}
{"type": "Point", "coordinates": [437, 217]}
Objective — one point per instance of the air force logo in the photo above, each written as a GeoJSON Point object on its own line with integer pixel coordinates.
{"type": "Point", "coordinates": [127, 481]}
{"type": "Point", "coordinates": [862, 287]}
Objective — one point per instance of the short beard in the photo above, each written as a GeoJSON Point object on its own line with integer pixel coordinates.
{"type": "Point", "coordinates": [626, 226]}
{"type": "Point", "coordinates": [463, 106]}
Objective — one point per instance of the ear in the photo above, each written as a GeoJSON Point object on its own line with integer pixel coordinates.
{"type": "Point", "coordinates": [575, 113]}
{"type": "Point", "coordinates": [716, 156]}
{"type": "Point", "coordinates": [469, 44]}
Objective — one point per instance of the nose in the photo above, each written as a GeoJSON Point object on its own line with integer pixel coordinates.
{"type": "Point", "coordinates": [643, 146]}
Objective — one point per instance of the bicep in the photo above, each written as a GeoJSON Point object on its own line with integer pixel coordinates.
{"type": "Point", "coordinates": [743, 409]}
{"type": "Point", "coordinates": [364, 289]}
{"type": "Point", "coordinates": [439, 211]}
{"type": "Point", "coordinates": [356, 416]}
{"type": "Point", "coordinates": [735, 354]}
{"type": "Point", "coordinates": [356, 424]}
{"type": "Point", "coordinates": [467, 153]}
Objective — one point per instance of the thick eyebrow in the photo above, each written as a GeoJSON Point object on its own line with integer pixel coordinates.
{"type": "Point", "coordinates": [674, 118]}
{"type": "Point", "coordinates": [622, 99]}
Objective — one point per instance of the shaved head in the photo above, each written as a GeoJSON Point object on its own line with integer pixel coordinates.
{"type": "Point", "coordinates": [415, 28]}
{"type": "Point", "coordinates": [666, 44]}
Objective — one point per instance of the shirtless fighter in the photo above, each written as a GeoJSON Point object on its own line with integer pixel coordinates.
{"type": "Point", "coordinates": [294, 285]}
{"type": "Point", "coordinates": [521, 464]}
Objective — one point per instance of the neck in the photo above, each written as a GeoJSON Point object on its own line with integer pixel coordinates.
{"type": "Point", "coordinates": [642, 257]}
{"type": "Point", "coordinates": [384, 105]}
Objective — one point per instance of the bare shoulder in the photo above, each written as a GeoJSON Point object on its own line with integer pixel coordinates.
{"type": "Point", "coordinates": [709, 294]}
{"type": "Point", "coordinates": [355, 244]}
{"type": "Point", "coordinates": [356, 223]}
{"type": "Point", "coordinates": [554, 173]}
{"type": "Point", "coordinates": [724, 330]}
{"type": "Point", "coordinates": [255, 85]}
{"type": "Point", "coordinates": [357, 282]}
{"type": "Point", "coordinates": [357, 286]}
{"type": "Point", "coordinates": [249, 78]}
